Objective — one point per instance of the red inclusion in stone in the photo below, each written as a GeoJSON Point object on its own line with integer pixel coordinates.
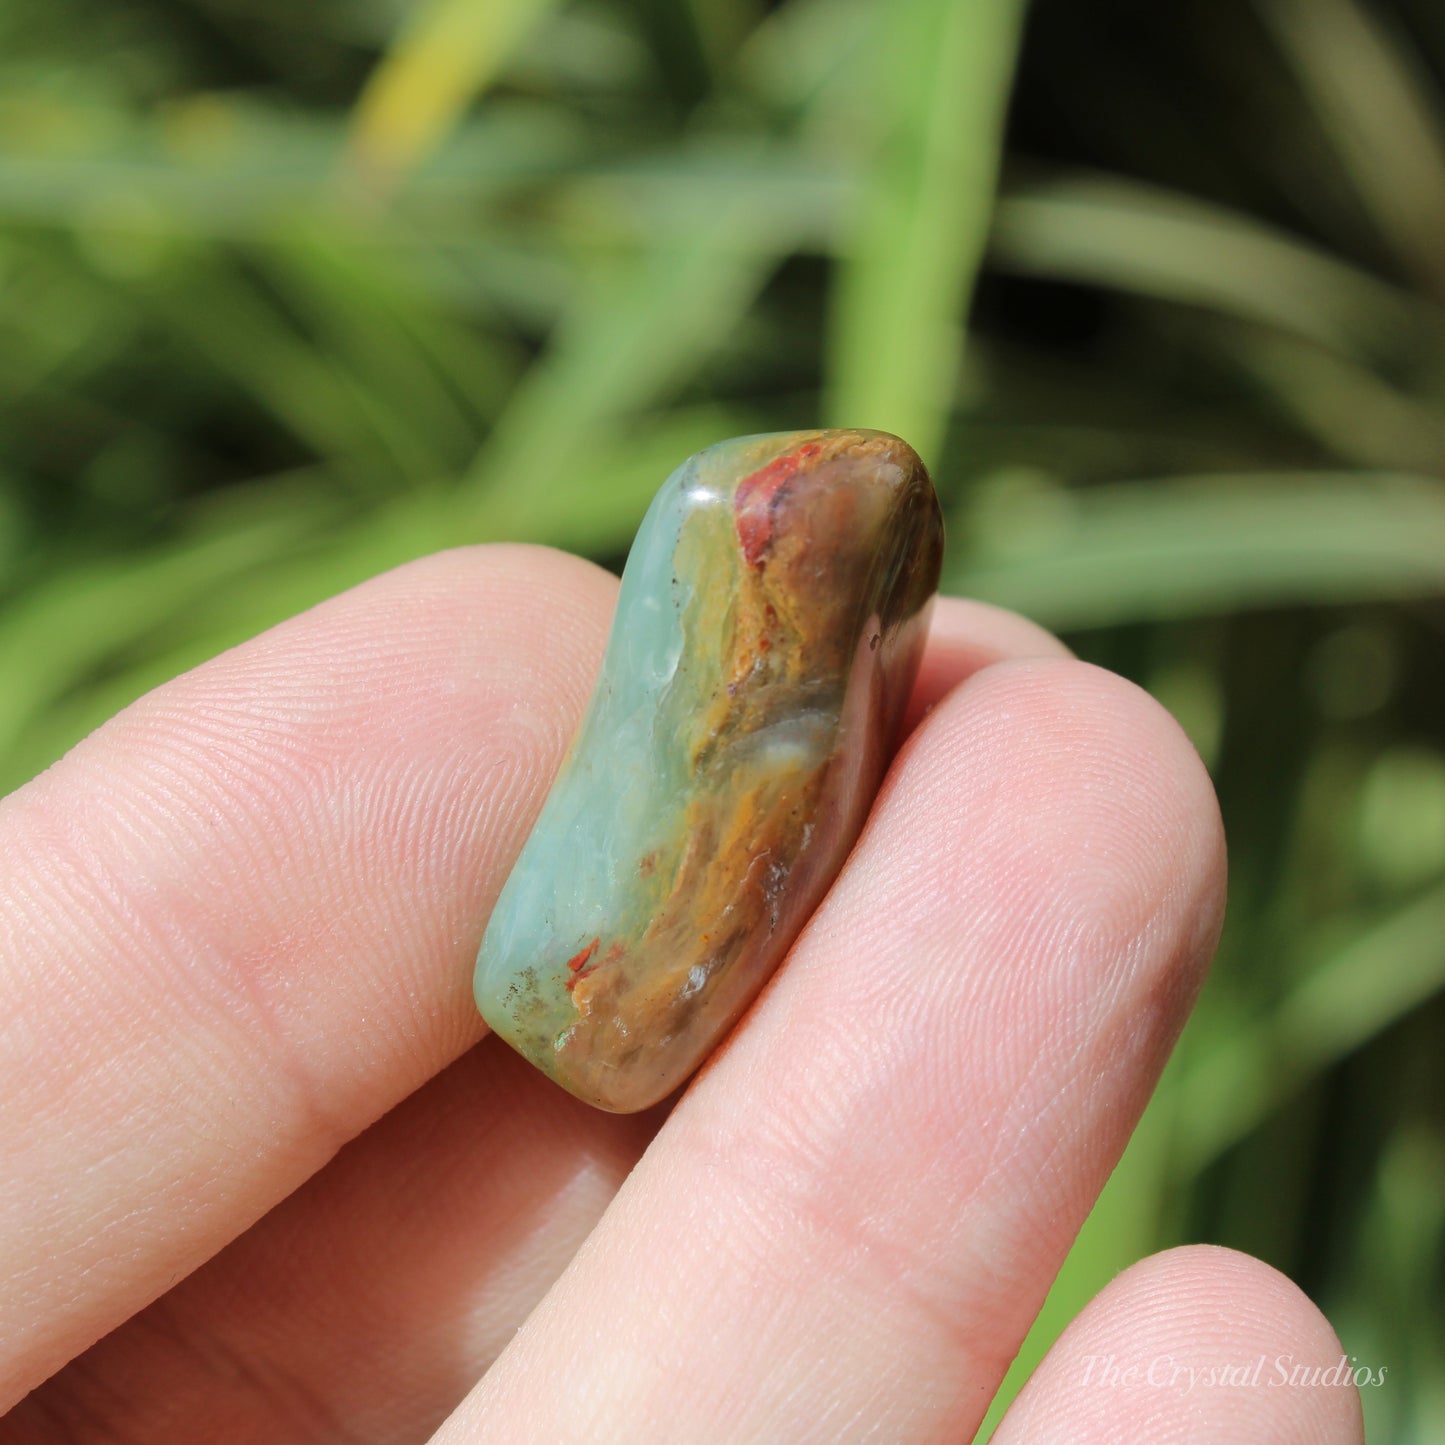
{"type": "Point", "coordinates": [757, 497]}
{"type": "Point", "coordinates": [578, 964]}
{"type": "Point", "coordinates": [582, 955]}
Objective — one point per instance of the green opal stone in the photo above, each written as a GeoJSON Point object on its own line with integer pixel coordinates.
{"type": "Point", "coordinates": [767, 636]}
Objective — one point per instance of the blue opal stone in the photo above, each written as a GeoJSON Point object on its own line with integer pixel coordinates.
{"type": "Point", "coordinates": [767, 637]}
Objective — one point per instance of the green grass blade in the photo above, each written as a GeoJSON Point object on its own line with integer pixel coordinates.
{"type": "Point", "coordinates": [363, 322]}
{"type": "Point", "coordinates": [1200, 545]}
{"type": "Point", "coordinates": [640, 329]}
{"type": "Point", "coordinates": [74, 622]}
{"type": "Point", "coordinates": [226, 318]}
{"type": "Point", "coordinates": [1356, 993]}
{"type": "Point", "coordinates": [444, 56]}
{"type": "Point", "coordinates": [1109, 232]}
{"type": "Point", "coordinates": [1349, 409]}
{"type": "Point", "coordinates": [1375, 99]}
{"type": "Point", "coordinates": [221, 168]}
{"type": "Point", "coordinates": [942, 77]}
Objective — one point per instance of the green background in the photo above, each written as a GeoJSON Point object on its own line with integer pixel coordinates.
{"type": "Point", "coordinates": [291, 292]}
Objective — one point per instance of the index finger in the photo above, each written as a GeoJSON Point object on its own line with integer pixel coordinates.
{"type": "Point", "coordinates": [237, 922]}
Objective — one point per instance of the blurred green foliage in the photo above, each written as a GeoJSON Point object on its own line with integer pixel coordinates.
{"type": "Point", "coordinates": [291, 293]}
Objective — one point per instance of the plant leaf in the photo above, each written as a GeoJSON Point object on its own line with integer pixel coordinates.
{"type": "Point", "coordinates": [443, 57]}
{"type": "Point", "coordinates": [940, 84]}
{"type": "Point", "coordinates": [1194, 546]}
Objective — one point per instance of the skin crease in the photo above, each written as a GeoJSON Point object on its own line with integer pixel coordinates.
{"type": "Point", "coordinates": [236, 929]}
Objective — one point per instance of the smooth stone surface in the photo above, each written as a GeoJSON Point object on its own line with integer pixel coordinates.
{"type": "Point", "coordinates": [767, 636]}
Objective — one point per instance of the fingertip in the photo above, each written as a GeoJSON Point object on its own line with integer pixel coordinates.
{"type": "Point", "coordinates": [1198, 1342]}
{"type": "Point", "coordinates": [1080, 787]}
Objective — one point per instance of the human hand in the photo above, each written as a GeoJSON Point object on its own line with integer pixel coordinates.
{"type": "Point", "coordinates": [238, 926]}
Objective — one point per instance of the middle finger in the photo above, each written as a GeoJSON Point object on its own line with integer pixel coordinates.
{"type": "Point", "coordinates": [846, 1226]}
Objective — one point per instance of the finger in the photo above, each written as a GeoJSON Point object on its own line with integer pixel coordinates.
{"type": "Point", "coordinates": [385, 1308]}
{"type": "Point", "coordinates": [364, 1306]}
{"type": "Point", "coordinates": [965, 636]}
{"type": "Point", "coordinates": [846, 1226]}
{"type": "Point", "coordinates": [238, 921]}
{"type": "Point", "coordinates": [1195, 1344]}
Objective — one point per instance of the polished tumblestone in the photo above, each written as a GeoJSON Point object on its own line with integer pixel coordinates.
{"type": "Point", "coordinates": [767, 636]}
